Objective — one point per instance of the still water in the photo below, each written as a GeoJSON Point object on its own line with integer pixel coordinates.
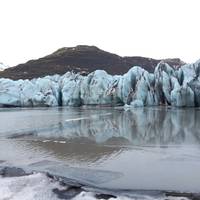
{"type": "Point", "coordinates": [146, 148]}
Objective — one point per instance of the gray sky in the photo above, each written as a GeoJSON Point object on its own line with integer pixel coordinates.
{"type": "Point", "coordinates": [30, 29]}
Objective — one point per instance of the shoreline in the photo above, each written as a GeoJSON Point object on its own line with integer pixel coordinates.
{"type": "Point", "coordinates": [72, 188]}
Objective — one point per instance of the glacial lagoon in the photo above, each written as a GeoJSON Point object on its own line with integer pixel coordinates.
{"type": "Point", "coordinates": [154, 148]}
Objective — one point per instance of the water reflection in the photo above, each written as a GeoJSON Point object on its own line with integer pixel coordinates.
{"type": "Point", "coordinates": [147, 126]}
{"type": "Point", "coordinates": [94, 135]}
{"type": "Point", "coordinates": [78, 151]}
{"type": "Point", "coordinates": [154, 148]}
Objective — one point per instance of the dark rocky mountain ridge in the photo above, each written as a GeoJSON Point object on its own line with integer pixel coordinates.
{"type": "Point", "coordinates": [83, 59]}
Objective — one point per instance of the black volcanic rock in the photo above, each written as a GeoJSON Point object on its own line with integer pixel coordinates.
{"type": "Point", "coordinates": [83, 59]}
{"type": "Point", "coordinates": [12, 172]}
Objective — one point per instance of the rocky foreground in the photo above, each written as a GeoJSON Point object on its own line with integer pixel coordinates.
{"type": "Point", "coordinates": [138, 87]}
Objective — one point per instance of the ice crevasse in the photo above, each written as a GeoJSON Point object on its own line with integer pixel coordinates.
{"type": "Point", "coordinates": [166, 86]}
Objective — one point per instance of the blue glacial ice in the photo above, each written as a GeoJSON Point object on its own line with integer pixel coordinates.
{"type": "Point", "coordinates": [137, 88]}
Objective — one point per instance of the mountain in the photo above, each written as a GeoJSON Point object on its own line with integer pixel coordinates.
{"type": "Point", "coordinates": [3, 67]}
{"type": "Point", "coordinates": [83, 59]}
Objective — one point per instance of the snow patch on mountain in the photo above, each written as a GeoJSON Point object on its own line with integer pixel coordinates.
{"type": "Point", "coordinates": [3, 67]}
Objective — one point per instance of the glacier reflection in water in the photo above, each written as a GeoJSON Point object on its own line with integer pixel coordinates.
{"type": "Point", "coordinates": [154, 148]}
{"type": "Point", "coordinates": [143, 126]}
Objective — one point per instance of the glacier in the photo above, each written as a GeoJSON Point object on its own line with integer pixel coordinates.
{"type": "Point", "coordinates": [137, 88]}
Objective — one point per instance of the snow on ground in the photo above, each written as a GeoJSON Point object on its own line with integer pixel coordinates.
{"type": "Point", "coordinates": [38, 186]}
{"type": "Point", "coordinates": [31, 187]}
{"type": "Point", "coordinates": [90, 196]}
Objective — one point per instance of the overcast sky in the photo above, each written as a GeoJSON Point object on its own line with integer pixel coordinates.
{"type": "Point", "coordinates": [31, 29]}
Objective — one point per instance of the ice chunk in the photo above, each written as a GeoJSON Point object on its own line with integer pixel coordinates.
{"type": "Point", "coordinates": [31, 187]}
